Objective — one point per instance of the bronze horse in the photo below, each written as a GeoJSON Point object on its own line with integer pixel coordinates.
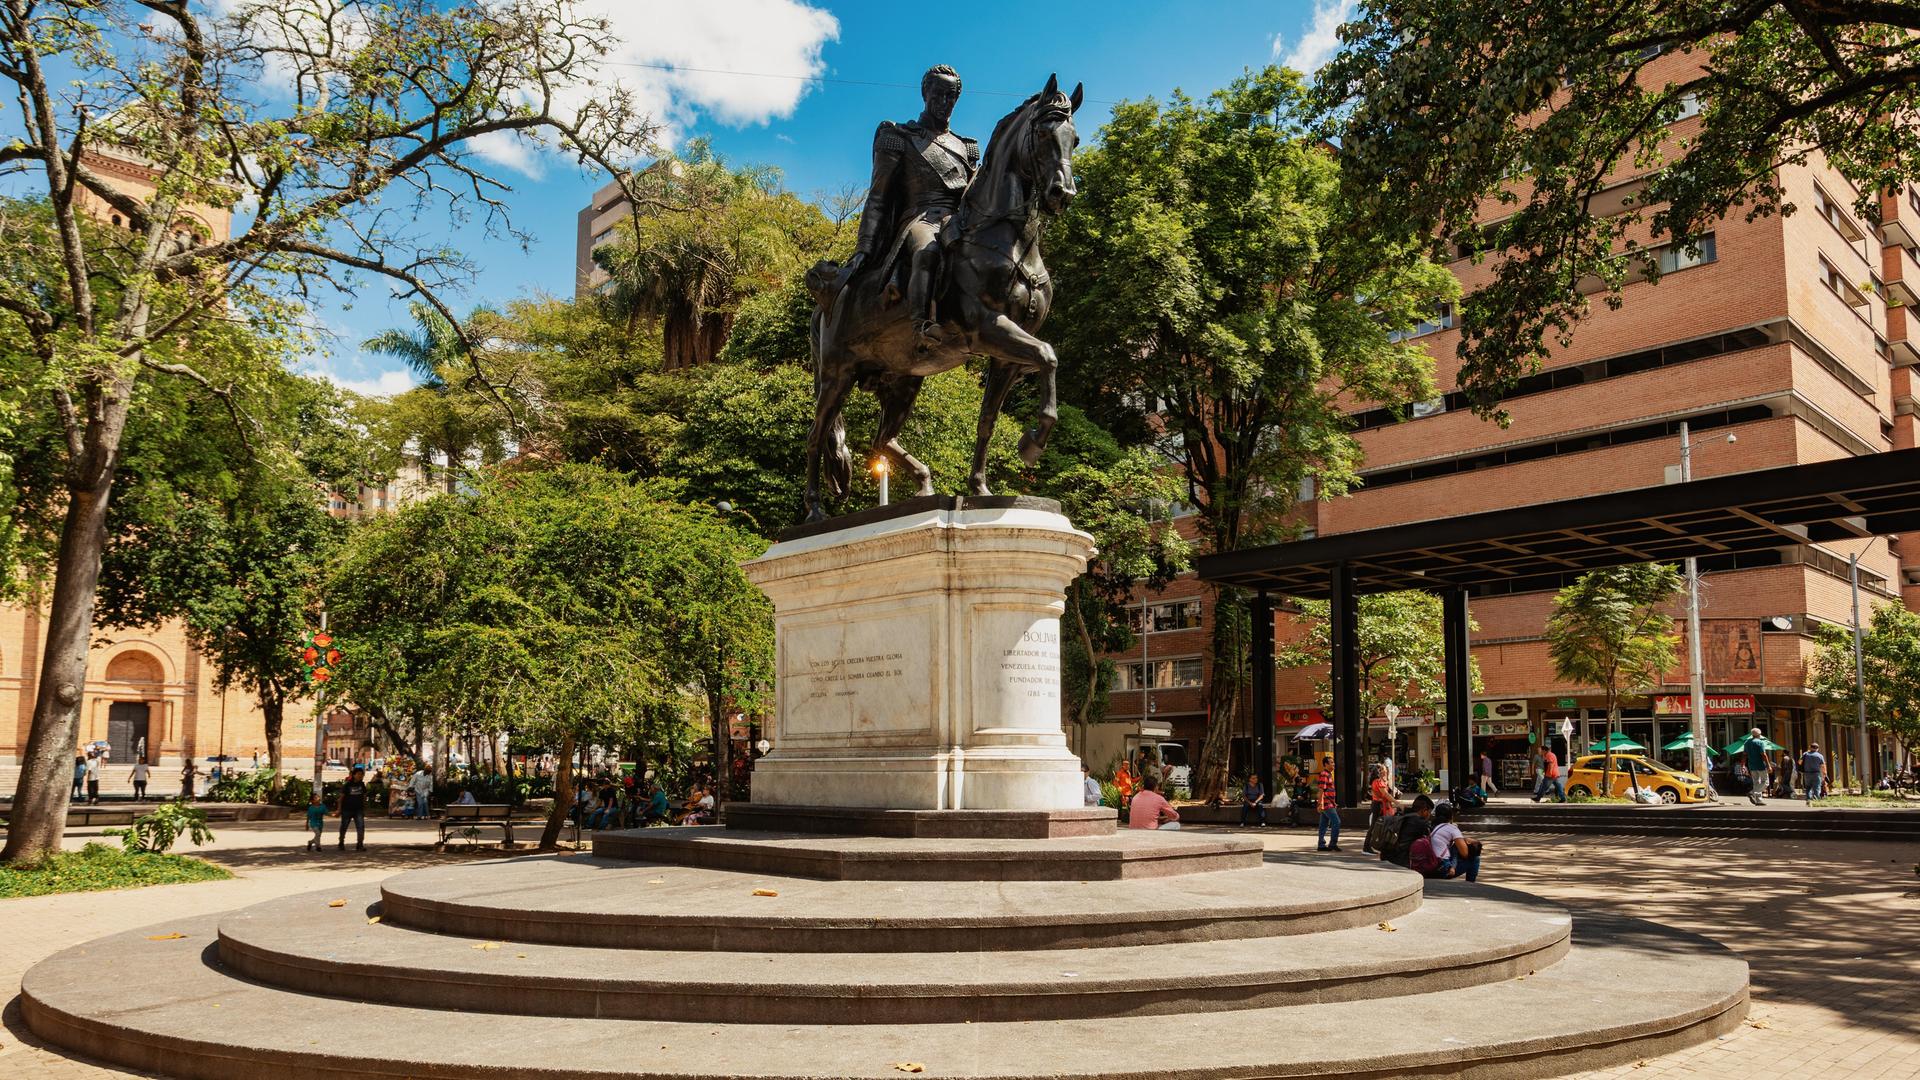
{"type": "Point", "coordinates": [993, 294]}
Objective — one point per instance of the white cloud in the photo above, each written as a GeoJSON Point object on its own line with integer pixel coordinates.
{"type": "Point", "coordinates": [1321, 40]}
{"type": "Point", "coordinates": [510, 150]}
{"type": "Point", "coordinates": [728, 57]}
{"type": "Point", "coordinates": [384, 384]}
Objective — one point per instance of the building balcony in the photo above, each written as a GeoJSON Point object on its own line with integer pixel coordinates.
{"type": "Point", "coordinates": [1903, 336]}
{"type": "Point", "coordinates": [1901, 272]}
{"type": "Point", "coordinates": [1900, 217]}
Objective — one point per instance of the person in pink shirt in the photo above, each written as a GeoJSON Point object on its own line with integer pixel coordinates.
{"type": "Point", "coordinates": [1149, 809]}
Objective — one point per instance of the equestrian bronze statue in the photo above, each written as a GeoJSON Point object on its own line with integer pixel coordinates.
{"type": "Point", "coordinates": [947, 266]}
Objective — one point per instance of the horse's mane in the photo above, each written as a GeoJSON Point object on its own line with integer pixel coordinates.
{"type": "Point", "coordinates": [987, 191]}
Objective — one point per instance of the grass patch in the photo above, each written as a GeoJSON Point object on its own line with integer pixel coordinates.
{"type": "Point", "coordinates": [1873, 802]}
{"type": "Point", "coordinates": [98, 866]}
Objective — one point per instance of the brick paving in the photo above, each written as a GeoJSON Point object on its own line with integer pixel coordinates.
{"type": "Point", "coordinates": [1829, 930]}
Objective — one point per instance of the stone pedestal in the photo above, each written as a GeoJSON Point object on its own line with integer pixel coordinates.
{"type": "Point", "coordinates": [918, 658]}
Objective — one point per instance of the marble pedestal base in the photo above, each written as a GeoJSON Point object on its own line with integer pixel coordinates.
{"type": "Point", "coordinates": [918, 654]}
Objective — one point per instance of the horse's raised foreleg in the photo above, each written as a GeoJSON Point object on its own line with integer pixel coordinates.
{"type": "Point", "coordinates": [1003, 339]}
{"type": "Point", "coordinates": [828, 436]}
{"type": "Point", "coordinates": [1000, 379]}
{"type": "Point", "coordinates": [896, 404]}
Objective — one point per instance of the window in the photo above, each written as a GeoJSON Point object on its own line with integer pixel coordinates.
{"type": "Point", "coordinates": [1689, 107]}
{"type": "Point", "coordinates": [1433, 406]}
{"type": "Point", "coordinates": [1836, 216]}
{"type": "Point", "coordinates": [603, 236]}
{"type": "Point", "coordinates": [1167, 675]}
{"type": "Point", "coordinates": [1179, 615]}
{"type": "Point", "coordinates": [1673, 258]}
{"type": "Point", "coordinates": [1841, 287]}
{"type": "Point", "coordinates": [1442, 319]}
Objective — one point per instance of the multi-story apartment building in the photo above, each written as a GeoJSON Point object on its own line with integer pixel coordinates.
{"type": "Point", "coordinates": [1783, 340]}
{"type": "Point", "coordinates": [595, 225]}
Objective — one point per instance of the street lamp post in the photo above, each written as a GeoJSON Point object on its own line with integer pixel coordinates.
{"type": "Point", "coordinates": [1859, 682]}
{"type": "Point", "coordinates": [1393, 737]}
{"type": "Point", "coordinates": [1696, 678]}
{"type": "Point", "coordinates": [880, 470]}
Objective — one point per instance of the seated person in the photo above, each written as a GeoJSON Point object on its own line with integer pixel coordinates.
{"type": "Point", "coordinates": [1453, 854]}
{"type": "Point", "coordinates": [466, 798]}
{"type": "Point", "coordinates": [1149, 809]}
{"type": "Point", "coordinates": [657, 808]}
{"type": "Point", "coordinates": [1413, 829]}
{"type": "Point", "coordinates": [1253, 801]}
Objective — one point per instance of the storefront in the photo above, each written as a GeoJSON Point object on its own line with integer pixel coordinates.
{"type": "Point", "coordinates": [1504, 732]}
{"type": "Point", "coordinates": [1729, 716]}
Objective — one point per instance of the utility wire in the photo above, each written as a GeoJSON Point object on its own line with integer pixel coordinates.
{"type": "Point", "coordinates": [815, 79]}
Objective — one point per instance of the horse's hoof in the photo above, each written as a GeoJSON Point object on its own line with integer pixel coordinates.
{"type": "Point", "coordinates": [815, 515]}
{"type": "Point", "coordinates": [978, 489]}
{"type": "Point", "coordinates": [1031, 448]}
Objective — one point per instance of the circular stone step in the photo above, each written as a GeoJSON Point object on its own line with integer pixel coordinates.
{"type": "Point", "coordinates": [1626, 990]}
{"type": "Point", "coordinates": [1127, 853]}
{"type": "Point", "coordinates": [588, 901]}
{"type": "Point", "coordinates": [301, 943]}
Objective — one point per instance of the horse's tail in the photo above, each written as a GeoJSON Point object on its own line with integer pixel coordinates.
{"type": "Point", "coordinates": [835, 459]}
{"type": "Point", "coordinates": [820, 280]}
{"type": "Point", "coordinates": [839, 463]}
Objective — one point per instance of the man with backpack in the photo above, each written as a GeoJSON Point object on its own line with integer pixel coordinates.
{"type": "Point", "coordinates": [1411, 833]}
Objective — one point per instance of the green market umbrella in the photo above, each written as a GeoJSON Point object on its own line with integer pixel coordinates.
{"type": "Point", "coordinates": [1740, 744]}
{"type": "Point", "coordinates": [1618, 742]}
{"type": "Point", "coordinates": [1685, 742]}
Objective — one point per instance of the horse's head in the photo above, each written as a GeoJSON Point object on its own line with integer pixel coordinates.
{"type": "Point", "coordinates": [1050, 143]}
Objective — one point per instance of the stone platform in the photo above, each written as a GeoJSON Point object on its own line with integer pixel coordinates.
{"type": "Point", "coordinates": [569, 968]}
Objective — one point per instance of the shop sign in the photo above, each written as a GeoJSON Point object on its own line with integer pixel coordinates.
{"type": "Point", "coordinates": [1513, 709]}
{"type": "Point", "coordinates": [1514, 728]}
{"type": "Point", "coordinates": [1286, 718]}
{"type": "Point", "coordinates": [1717, 705]}
{"type": "Point", "coordinates": [1566, 703]}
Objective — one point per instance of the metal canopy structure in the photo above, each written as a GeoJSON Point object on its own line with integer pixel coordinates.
{"type": "Point", "coordinates": [1873, 495]}
{"type": "Point", "coordinates": [1539, 547]}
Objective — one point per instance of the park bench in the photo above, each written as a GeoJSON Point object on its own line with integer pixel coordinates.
{"type": "Point", "coordinates": [465, 818]}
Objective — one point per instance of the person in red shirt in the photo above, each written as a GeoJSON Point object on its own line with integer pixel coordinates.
{"type": "Point", "coordinates": [1550, 778]}
{"type": "Point", "coordinates": [1150, 810]}
{"type": "Point", "coordinates": [1329, 808]}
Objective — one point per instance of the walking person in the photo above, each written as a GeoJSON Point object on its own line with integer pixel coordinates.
{"type": "Point", "coordinates": [1550, 778]}
{"type": "Point", "coordinates": [1486, 774]}
{"type": "Point", "coordinates": [189, 776]}
{"type": "Point", "coordinates": [1253, 801]}
{"type": "Point", "coordinates": [1090, 794]}
{"type": "Point", "coordinates": [93, 780]}
{"type": "Point", "coordinates": [1813, 773]}
{"type": "Point", "coordinates": [353, 807]}
{"type": "Point", "coordinates": [79, 776]}
{"type": "Point", "coordinates": [1756, 755]}
{"type": "Point", "coordinates": [139, 777]}
{"type": "Point", "coordinates": [316, 821]}
{"type": "Point", "coordinates": [1329, 808]}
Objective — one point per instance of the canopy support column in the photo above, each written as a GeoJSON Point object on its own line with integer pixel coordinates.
{"type": "Point", "coordinates": [1262, 615]}
{"type": "Point", "coordinates": [1349, 726]}
{"type": "Point", "coordinates": [1458, 680]}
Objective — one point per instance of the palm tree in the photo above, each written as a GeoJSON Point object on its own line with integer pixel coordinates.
{"type": "Point", "coordinates": [434, 412]}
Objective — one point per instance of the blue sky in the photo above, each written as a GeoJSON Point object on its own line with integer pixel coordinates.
{"type": "Point", "coordinates": [818, 132]}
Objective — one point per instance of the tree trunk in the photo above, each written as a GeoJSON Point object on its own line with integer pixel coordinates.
{"type": "Point", "coordinates": [39, 815]}
{"type": "Point", "coordinates": [1084, 708]}
{"type": "Point", "coordinates": [273, 711]}
{"type": "Point", "coordinates": [722, 749]}
{"type": "Point", "coordinates": [1223, 693]}
{"type": "Point", "coordinates": [562, 795]}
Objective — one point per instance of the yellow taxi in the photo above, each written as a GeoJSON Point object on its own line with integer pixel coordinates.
{"type": "Point", "coordinates": [1671, 785]}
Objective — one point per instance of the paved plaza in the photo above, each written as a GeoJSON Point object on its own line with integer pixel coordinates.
{"type": "Point", "coordinates": [1826, 928]}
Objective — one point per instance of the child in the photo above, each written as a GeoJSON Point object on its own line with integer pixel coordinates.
{"type": "Point", "coordinates": [316, 821]}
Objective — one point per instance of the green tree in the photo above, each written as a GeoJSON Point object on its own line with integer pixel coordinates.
{"type": "Point", "coordinates": [1611, 629]}
{"type": "Point", "coordinates": [1890, 666]}
{"type": "Point", "coordinates": [1494, 127]}
{"type": "Point", "coordinates": [1217, 297]}
{"type": "Point", "coordinates": [356, 134]}
{"type": "Point", "coordinates": [571, 607]}
{"type": "Point", "coordinates": [1402, 652]}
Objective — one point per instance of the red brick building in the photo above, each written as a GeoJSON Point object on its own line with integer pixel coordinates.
{"type": "Point", "coordinates": [1784, 340]}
